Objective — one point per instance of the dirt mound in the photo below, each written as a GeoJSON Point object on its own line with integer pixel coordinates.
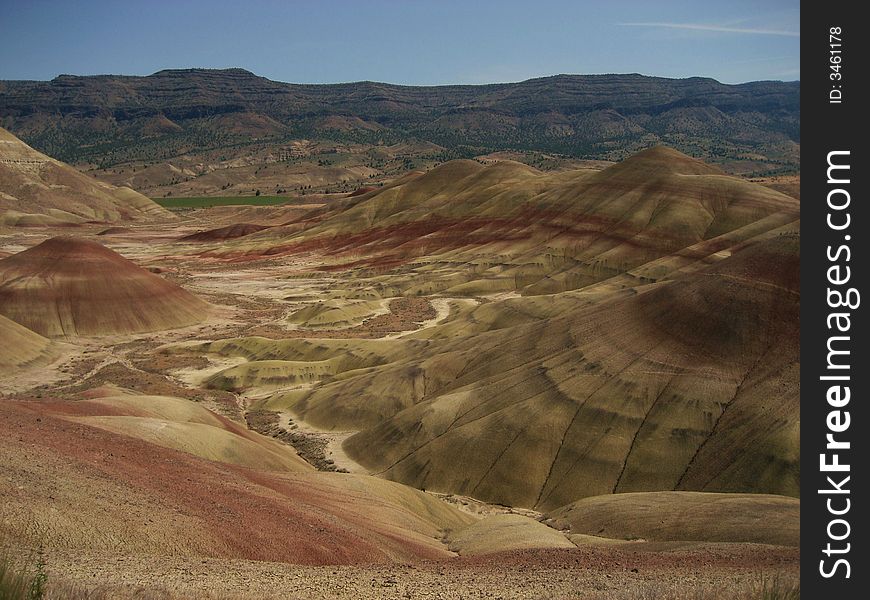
{"type": "Point", "coordinates": [21, 348]}
{"type": "Point", "coordinates": [115, 231]}
{"type": "Point", "coordinates": [504, 533]}
{"type": "Point", "coordinates": [224, 233]}
{"type": "Point", "coordinates": [69, 286]}
{"type": "Point", "coordinates": [531, 231]}
{"type": "Point", "coordinates": [663, 160]}
{"type": "Point", "coordinates": [685, 516]}
{"type": "Point", "coordinates": [182, 425]}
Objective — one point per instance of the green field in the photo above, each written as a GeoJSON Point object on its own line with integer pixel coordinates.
{"type": "Point", "coordinates": [205, 202]}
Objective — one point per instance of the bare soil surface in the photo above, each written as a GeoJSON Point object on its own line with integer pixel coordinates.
{"type": "Point", "coordinates": [641, 571]}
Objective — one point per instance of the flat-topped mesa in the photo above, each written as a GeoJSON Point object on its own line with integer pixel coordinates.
{"type": "Point", "coordinates": [237, 71]}
{"type": "Point", "coordinates": [69, 286]}
{"type": "Point", "coordinates": [96, 119]}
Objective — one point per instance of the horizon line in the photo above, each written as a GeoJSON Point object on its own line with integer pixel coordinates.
{"type": "Point", "coordinates": [350, 82]}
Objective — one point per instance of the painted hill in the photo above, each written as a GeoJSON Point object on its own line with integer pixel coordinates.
{"type": "Point", "coordinates": [520, 229]}
{"type": "Point", "coordinates": [653, 345]}
{"type": "Point", "coordinates": [68, 286]}
{"type": "Point", "coordinates": [38, 190]}
{"type": "Point", "coordinates": [681, 374]}
{"type": "Point", "coordinates": [182, 425]}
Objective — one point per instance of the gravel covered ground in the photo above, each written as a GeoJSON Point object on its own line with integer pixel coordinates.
{"type": "Point", "coordinates": [639, 571]}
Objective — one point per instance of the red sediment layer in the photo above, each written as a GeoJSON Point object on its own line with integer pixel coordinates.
{"type": "Point", "coordinates": [294, 518]}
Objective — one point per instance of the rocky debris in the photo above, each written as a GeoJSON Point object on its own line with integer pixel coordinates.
{"type": "Point", "coordinates": [309, 446]}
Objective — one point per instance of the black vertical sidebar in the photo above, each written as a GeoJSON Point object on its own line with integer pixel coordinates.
{"type": "Point", "coordinates": [835, 222]}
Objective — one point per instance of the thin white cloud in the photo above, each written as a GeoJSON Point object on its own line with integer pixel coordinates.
{"type": "Point", "coordinates": [717, 28]}
{"type": "Point", "coordinates": [763, 59]}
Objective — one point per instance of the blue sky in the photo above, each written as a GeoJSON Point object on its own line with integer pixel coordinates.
{"type": "Point", "coordinates": [403, 41]}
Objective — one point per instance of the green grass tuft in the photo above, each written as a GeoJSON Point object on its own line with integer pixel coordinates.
{"type": "Point", "coordinates": [25, 581]}
{"type": "Point", "coordinates": [778, 589]}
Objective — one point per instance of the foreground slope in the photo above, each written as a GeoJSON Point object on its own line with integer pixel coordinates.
{"type": "Point", "coordinates": [38, 190]}
{"type": "Point", "coordinates": [69, 286]}
{"type": "Point", "coordinates": [72, 486]}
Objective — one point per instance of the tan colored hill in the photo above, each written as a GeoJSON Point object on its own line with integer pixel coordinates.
{"type": "Point", "coordinates": [38, 190]}
{"type": "Point", "coordinates": [337, 313]}
{"type": "Point", "coordinates": [685, 384]}
{"type": "Point", "coordinates": [68, 286]}
{"type": "Point", "coordinates": [684, 516]}
{"type": "Point", "coordinates": [182, 425]}
{"type": "Point", "coordinates": [468, 229]}
{"type": "Point", "coordinates": [21, 348]}
{"type": "Point", "coordinates": [504, 533]}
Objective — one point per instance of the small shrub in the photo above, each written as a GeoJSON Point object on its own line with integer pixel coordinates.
{"type": "Point", "coordinates": [778, 589]}
{"type": "Point", "coordinates": [23, 581]}
{"type": "Point", "coordinates": [13, 583]}
{"type": "Point", "coordinates": [39, 579]}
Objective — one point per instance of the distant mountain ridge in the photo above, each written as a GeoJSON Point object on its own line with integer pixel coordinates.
{"type": "Point", "coordinates": [109, 119]}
